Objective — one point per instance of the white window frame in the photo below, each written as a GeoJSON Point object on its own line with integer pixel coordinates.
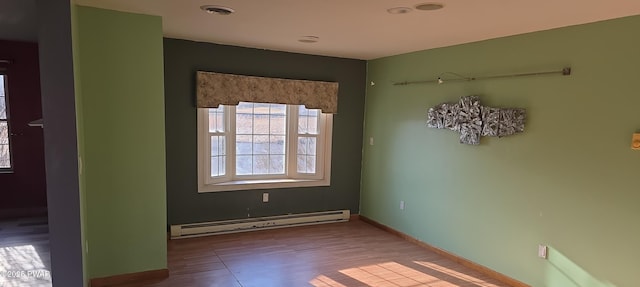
{"type": "Point", "coordinates": [291, 178]}
{"type": "Point", "coordinates": [6, 120]}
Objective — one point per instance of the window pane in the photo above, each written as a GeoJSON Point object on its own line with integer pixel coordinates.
{"type": "Point", "coordinates": [261, 124]}
{"type": "Point", "coordinates": [306, 164]}
{"type": "Point", "coordinates": [307, 146]}
{"type": "Point", "coordinates": [222, 140]}
{"type": "Point", "coordinates": [217, 155]}
{"type": "Point", "coordinates": [5, 159]}
{"type": "Point", "coordinates": [217, 145]}
{"type": "Point", "coordinates": [5, 156]}
{"type": "Point", "coordinates": [308, 120]}
{"type": "Point", "coordinates": [302, 125]}
{"type": "Point", "coordinates": [312, 125]}
{"type": "Point", "coordinates": [276, 164]}
{"type": "Point", "coordinates": [4, 133]}
{"type": "Point", "coordinates": [260, 164]}
{"type": "Point", "coordinates": [244, 145]}
{"type": "Point", "coordinates": [277, 145]}
{"type": "Point", "coordinates": [278, 125]}
{"type": "Point", "coordinates": [244, 124]}
{"type": "Point", "coordinates": [216, 119]}
{"type": "Point", "coordinates": [3, 107]}
{"type": "Point", "coordinates": [311, 146]}
{"type": "Point", "coordinates": [214, 166]}
{"type": "Point", "coordinates": [260, 144]}
{"type": "Point", "coordinates": [302, 163]}
{"type": "Point", "coordinates": [311, 164]}
{"type": "Point", "coordinates": [302, 145]}
{"type": "Point", "coordinates": [244, 164]}
{"type": "Point", "coordinates": [260, 138]}
{"type": "Point", "coordinates": [220, 122]}
{"type": "Point", "coordinates": [302, 110]}
{"type": "Point", "coordinates": [222, 170]}
{"type": "Point", "coordinates": [244, 108]}
{"type": "Point", "coordinates": [261, 109]}
{"type": "Point", "coordinates": [278, 109]}
{"type": "Point", "coordinates": [3, 103]}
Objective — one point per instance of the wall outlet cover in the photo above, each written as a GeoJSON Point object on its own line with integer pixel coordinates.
{"type": "Point", "coordinates": [542, 251]}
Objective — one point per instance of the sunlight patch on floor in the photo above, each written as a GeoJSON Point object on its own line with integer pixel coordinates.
{"type": "Point", "coordinates": [324, 281]}
{"type": "Point", "coordinates": [394, 274]}
{"type": "Point", "coordinates": [456, 274]}
{"type": "Point", "coordinates": [21, 266]}
{"type": "Point", "coordinates": [388, 274]}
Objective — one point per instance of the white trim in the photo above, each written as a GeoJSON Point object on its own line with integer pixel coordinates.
{"type": "Point", "coordinates": [262, 184]}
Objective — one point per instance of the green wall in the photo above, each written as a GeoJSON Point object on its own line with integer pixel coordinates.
{"type": "Point", "coordinates": [569, 181]}
{"type": "Point", "coordinates": [185, 205]}
{"type": "Point", "coordinates": [80, 138]}
{"type": "Point", "coordinates": [121, 102]}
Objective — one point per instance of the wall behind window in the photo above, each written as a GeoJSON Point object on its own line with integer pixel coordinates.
{"type": "Point", "coordinates": [23, 192]}
{"type": "Point", "coordinates": [185, 205]}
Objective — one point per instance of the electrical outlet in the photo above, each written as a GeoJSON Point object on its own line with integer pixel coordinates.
{"type": "Point", "coordinates": [370, 140]}
{"type": "Point", "coordinates": [265, 197]}
{"type": "Point", "coordinates": [401, 204]}
{"type": "Point", "coordinates": [542, 251]}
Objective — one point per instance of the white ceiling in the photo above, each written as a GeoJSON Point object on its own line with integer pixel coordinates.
{"type": "Point", "coordinates": [362, 29]}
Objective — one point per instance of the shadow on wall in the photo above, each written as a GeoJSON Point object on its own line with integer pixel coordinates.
{"type": "Point", "coordinates": [562, 272]}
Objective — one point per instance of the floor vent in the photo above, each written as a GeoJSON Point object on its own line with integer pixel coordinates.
{"type": "Point", "coordinates": [259, 223]}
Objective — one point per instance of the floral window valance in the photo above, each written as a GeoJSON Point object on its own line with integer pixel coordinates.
{"type": "Point", "coordinates": [215, 89]}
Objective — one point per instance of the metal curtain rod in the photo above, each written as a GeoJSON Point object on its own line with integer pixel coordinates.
{"type": "Point", "coordinates": [439, 80]}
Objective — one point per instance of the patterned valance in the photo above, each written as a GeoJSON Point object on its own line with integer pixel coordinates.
{"type": "Point", "coordinates": [215, 89]}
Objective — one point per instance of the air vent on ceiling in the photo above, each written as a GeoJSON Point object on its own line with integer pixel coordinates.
{"type": "Point", "coordinates": [429, 6]}
{"type": "Point", "coordinates": [214, 9]}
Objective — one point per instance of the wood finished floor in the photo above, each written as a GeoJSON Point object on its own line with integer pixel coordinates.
{"type": "Point", "coordinates": [349, 254]}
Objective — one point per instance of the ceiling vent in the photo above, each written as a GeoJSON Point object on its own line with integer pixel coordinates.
{"type": "Point", "coordinates": [399, 10]}
{"type": "Point", "coordinates": [429, 6]}
{"type": "Point", "coordinates": [214, 9]}
{"type": "Point", "coordinates": [309, 39]}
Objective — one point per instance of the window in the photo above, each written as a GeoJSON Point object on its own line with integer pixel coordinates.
{"type": "Point", "coordinates": [5, 150]}
{"type": "Point", "coordinates": [259, 145]}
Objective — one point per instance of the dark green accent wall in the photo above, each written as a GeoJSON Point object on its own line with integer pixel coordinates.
{"type": "Point", "coordinates": [185, 205]}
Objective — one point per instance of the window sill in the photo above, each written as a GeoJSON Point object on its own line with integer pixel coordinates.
{"type": "Point", "coordinates": [262, 184]}
{"type": "Point", "coordinates": [6, 170]}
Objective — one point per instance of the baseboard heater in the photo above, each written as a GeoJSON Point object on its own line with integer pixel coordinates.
{"type": "Point", "coordinates": [258, 223]}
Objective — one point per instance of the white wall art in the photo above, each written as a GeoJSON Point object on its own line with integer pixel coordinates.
{"type": "Point", "coordinates": [473, 120]}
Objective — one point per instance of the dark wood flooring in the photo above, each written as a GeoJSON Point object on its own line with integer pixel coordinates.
{"type": "Point", "coordinates": [330, 255]}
